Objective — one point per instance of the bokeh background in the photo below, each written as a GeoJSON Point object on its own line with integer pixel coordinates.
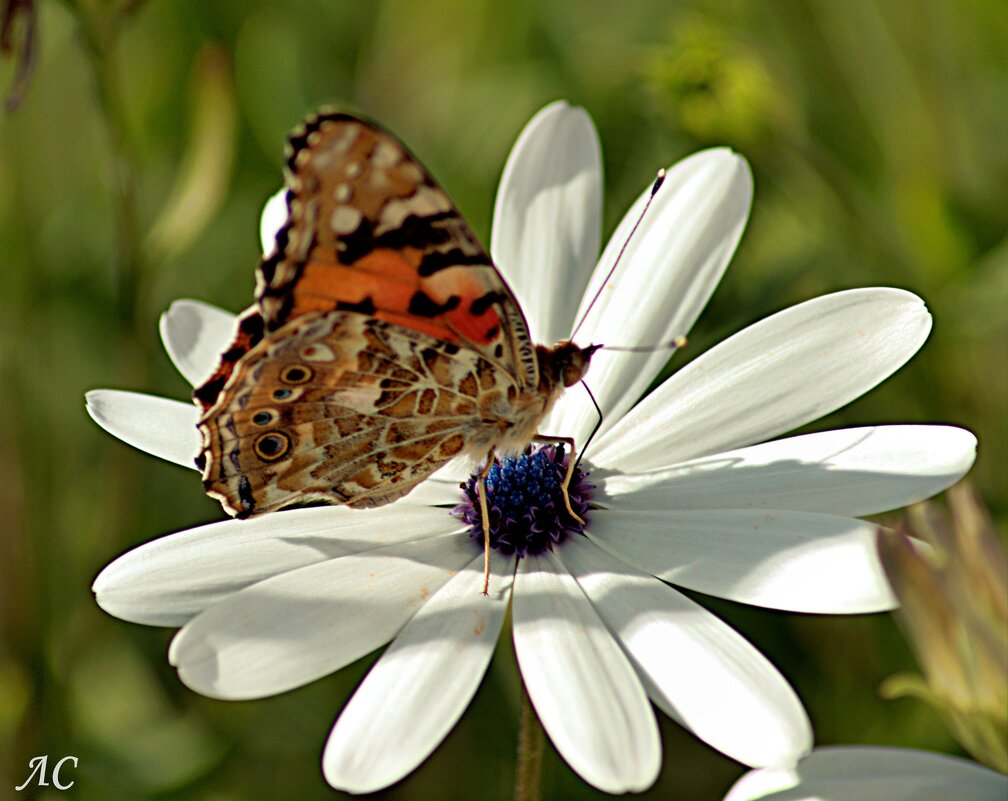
{"type": "Point", "coordinates": [133, 173]}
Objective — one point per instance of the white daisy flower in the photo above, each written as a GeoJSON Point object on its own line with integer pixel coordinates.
{"type": "Point", "coordinates": [848, 773]}
{"type": "Point", "coordinates": [679, 491]}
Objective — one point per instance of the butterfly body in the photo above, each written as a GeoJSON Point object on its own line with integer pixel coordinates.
{"type": "Point", "coordinates": [383, 342]}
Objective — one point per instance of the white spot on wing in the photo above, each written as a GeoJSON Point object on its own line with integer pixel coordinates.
{"type": "Point", "coordinates": [345, 219]}
{"type": "Point", "coordinates": [317, 352]}
{"type": "Point", "coordinates": [342, 142]}
{"type": "Point", "coordinates": [425, 202]}
{"type": "Point", "coordinates": [385, 154]}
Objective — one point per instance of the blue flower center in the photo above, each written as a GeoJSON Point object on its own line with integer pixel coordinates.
{"type": "Point", "coordinates": [525, 502]}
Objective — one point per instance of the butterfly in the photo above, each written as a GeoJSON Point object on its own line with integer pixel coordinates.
{"type": "Point", "coordinates": [382, 342]}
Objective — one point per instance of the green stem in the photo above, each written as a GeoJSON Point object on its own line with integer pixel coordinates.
{"type": "Point", "coordinates": [528, 772]}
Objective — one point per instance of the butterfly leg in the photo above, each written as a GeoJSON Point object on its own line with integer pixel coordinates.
{"type": "Point", "coordinates": [571, 462]}
{"type": "Point", "coordinates": [485, 516]}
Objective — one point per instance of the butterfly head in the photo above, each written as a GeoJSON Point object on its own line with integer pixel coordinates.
{"type": "Point", "coordinates": [565, 363]}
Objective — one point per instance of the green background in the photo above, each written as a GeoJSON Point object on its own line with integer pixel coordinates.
{"type": "Point", "coordinates": [134, 172]}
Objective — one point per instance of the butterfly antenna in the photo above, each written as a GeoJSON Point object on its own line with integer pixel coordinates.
{"type": "Point", "coordinates": [659, 180]}
{"type": "Point", "coordinates": [673, 344]}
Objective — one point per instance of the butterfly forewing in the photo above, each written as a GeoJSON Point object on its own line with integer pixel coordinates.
{"type": "Point", "coordinates": [370, 231]}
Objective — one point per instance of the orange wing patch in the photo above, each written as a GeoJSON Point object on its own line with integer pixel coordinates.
{"type": "Point", "coordinates": [450, 305]}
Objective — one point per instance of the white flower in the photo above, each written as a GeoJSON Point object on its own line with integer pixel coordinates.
{"type": "Point", "coordinates": [683, 494]}
{"type": "Point", "coordinates": [847, 773]}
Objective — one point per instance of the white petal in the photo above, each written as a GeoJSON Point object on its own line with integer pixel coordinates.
{"type": "Point", "coordinates": [780, 373]}
{"type": "Point", "coordinates": [780, 559]}
{"type": "Point", "coordinates": [419, 688]}
{"type": "Point", "coordinates": [664, 279]}
{"type": "Point", "coordinates": [195, 334]}
{"type": "Point", "coordinates": [169, 580]}
{"type": "Point", "coordinates": [296, 627]}
{"type": "Point", "coordinates": [697, 668]}
{"type": "Point", "coordinates": [852, 471]}
{"type": "Point", "coordinates": [274, 215]}
{"type": "Point", "coordinates": [159, 426]}
{"type": "Point", "coordinates": [582, 686]}
{"type": "Point", "coordinates": [548, 217]}
{"type": "Point", "coordinates": [873, 774]}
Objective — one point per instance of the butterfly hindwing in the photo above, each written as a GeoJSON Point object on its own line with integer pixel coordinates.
{"type": "Point", "coordinates": [343, 408]}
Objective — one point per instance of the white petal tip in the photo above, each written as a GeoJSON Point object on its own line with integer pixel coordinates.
{"type": "Point", "coordinates": [159, 426]}
{"type": "Point", "coordinates": [194, 334]}
{"type": "Point", "coordinates": [274, 215]}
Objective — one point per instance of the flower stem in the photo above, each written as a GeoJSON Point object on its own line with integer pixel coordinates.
{"type": "Point", "coordinates": [528, 772]}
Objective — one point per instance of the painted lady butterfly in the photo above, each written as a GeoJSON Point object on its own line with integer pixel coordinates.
{"type": "Point", "coordinates": [383, 341]}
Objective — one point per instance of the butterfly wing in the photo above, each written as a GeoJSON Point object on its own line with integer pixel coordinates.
{"type": "Point", "coordinates": [343, 408]}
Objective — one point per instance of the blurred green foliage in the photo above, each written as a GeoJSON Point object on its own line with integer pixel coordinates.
{"type": "Point", "coordinates": [133, 173]}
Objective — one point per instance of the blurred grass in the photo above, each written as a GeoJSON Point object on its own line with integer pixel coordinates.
{"type": "Point", "coordinates": [134, 172]}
